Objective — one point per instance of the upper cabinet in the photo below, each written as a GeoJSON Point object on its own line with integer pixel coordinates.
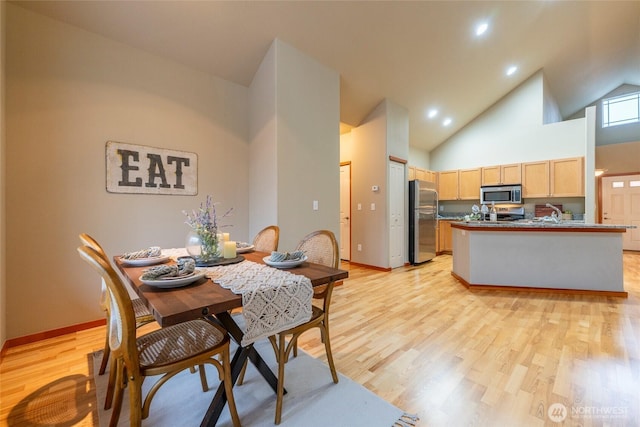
{"type": "Point", "coordinates": [463, 184]}
{"type": "Point", "coordinates": [448, 185]}
{"type": "Point", "coordinates": [421, 174]}
{"type": "Point", "coordinates": [502, 174]}
{"type": "Point", "coordinates": [566, 177]}
{"type": "Point", "coordinates": [535, 179]}
{"type": "Point", "coordinates": [546, 178]}
{"type": "Point", "coordinates": [469, 184]}
{"type": "Point", "coordinates": [553, 178]}
{"type": "Point", "coordinates": [411, 173]}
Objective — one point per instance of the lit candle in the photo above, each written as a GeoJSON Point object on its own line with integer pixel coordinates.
{"type": "Point", "coordinates": [229, 250]}
{"type": "Point", "coordinates": [225, 237]}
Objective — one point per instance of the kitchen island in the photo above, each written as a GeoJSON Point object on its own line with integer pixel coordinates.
{"type": "Point", "coordinates": [533, 255]}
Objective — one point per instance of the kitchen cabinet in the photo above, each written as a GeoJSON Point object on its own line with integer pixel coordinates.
{"type": "Point", "coordinates": [421, 174]}
{"type": "Point", "coordinates": [430, 176]}
{"type": "Point", "coordinates": [502, 174]}
{"type": "Point", "coordinates": [553, 178]}
{"type": "Point", "coordinates": [448, 185]}
{"type": "Point", "coordinates": [469, 181]}
{"type": "Point", "coordinates": [535, 179]}
{"type": "Point", "coordinates": [462, 184]}
{"type": "Point", "coordinates": [566, 177]}
{"type": "Point", "coordinates": [445, 237]}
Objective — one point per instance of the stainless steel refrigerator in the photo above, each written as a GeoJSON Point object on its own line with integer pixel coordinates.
{"type": "Point", "coordinates": [423, 221]}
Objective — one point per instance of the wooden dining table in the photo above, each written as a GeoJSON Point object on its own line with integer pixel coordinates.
{"type": "Point", "coordinates": [205, 298]}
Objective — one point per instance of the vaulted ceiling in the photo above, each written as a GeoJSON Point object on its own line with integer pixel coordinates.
{"type": "Point", "coordinates": [420, 54]}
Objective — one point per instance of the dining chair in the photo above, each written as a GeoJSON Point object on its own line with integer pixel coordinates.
{"type": "Point", "coordinates": [267, 239]}
{"type": "Point", "coordinates": [320, 247]}
{"type": "Point", "coordinates": [141, 312]}
{"type": "Point", "coordinates": [165, 351]}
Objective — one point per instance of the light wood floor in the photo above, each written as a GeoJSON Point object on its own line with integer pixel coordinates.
{"type": "Point", "coordinates": [422, 341]}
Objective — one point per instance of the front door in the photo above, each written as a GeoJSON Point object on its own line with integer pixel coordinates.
{"type": "Point", "coordinates": [621, 206]}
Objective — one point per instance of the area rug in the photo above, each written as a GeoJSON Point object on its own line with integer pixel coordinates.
{"type": "Point", "coordinates": [312, 398]}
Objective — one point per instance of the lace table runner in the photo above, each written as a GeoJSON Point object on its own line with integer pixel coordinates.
{"type": "Point", "coordinates": [272, 300]}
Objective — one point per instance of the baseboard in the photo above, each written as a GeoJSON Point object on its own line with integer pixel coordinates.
{"type": "Point", "coordinates": [372, 267]}
{"type": "Point", "coordinates": [28, 339]}
{"type": "Point", "coordinates": [477, 287]}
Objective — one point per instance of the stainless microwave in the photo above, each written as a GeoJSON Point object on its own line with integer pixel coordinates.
{"type": "Point", "coordinates": [501, 194]}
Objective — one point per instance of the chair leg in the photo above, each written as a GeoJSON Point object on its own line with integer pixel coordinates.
{"type": "Point", "coordinates": [240, 379]}
{"type": "Point", "coordinates": [111, 384]}
{"type": "Point", "coordinates": [117, 398]}
{"type": "Point", "coordinates": [327, 346]}
{"type": "Point", "coordinates": [228, 388]}
{"type": "Point", "coordinates": [281, 361]}
{"type": "Point", "coordinates": [105, 356]}
{"type": "Point", "coordinates": [203, 378]}
{"type": "Point", "coordinates": [135, 402]}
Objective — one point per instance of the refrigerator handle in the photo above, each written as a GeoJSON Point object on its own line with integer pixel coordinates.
{"type": "Point", "coordinates": [437, 211]}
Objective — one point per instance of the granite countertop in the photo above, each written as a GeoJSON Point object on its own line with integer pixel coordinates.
{"type": "Point", "coordinates": [528, 224]}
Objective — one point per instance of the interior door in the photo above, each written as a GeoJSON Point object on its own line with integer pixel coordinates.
{"type": "Point", "coordinates": [345, 212]}
{"type": "Point", "coordinates": [397, 186]}
{"type": "Point", "coordinates": [621, 206]}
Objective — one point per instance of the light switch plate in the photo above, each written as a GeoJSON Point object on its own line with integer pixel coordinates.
{"type": "Point", "coordinates": [315, 205]}
{"type": "Point", "coordinates": [373, 206]}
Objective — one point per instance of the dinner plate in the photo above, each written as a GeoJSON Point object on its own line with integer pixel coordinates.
{"type": "Point", "coordinates": [245, 249]}
{"type": "Point", "coordinates": [174, 282]}
{"type": "Point", "coordinates": [284, 264]}
{"type": "Point", "coordinates": [139, 262]}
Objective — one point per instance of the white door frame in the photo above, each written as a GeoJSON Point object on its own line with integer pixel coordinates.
{"type": "Point", "coordinates": [621, 206]}
{"type": "Point", "coordinates": [345, 211]}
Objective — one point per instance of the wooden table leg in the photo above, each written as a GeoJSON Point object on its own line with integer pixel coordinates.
{"type": "Point", "coordinates": [237, 362]}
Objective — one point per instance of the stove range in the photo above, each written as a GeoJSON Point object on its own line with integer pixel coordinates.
{"type": "Point", "coordinates": [508, 213]}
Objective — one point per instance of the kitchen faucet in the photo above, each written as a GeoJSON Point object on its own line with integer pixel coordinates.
{"type": "Point", "coordinates": [557, 212]}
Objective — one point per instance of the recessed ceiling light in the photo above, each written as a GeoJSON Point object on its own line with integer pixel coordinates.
{"type": "Point", "coordinates": [432, 113]}
{"type": "Point", "coordinates": [447, 121]}
{"type": "Point", "coordinates": [511, 70]}
{"type": "Point", "coordinates": [481, 29]}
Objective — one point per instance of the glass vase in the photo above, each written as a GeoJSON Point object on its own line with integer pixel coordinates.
{"type": "Point", "coordinates": [203, 247]}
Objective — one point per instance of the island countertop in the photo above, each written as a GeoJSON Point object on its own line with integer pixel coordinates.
{"type": "Point", "coordinates": [533, 225]}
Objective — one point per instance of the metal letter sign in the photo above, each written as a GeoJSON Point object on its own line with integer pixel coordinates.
{"type": "Point", "coordinates": [148, 170]}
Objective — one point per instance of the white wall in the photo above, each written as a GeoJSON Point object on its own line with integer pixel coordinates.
{"type": "Point", "coordinates": [590, 202]}
{"type": "Point", "coordinates": [419, 158]}
{"type": "Point", "coordinates": [308, 109]}
{"type": "Point", "coordinates": [383, 133]}
{"type": "Point", "coordinates": [512, 131]}
{"type": "Point", "coordinates": [68, 92]}
{"type": "Point", "coordinates": [306, 141]}
{"type": "Point", "coordinates": [397, 130]}
{"type": "Point", "coordinates": [368, 168]}
{"type": "Point", "coordinates": [621, 158]}
{"type": "Point", "coordinates": [263, 156]}
{"type": "Point", "coordinates": [550, 108]}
